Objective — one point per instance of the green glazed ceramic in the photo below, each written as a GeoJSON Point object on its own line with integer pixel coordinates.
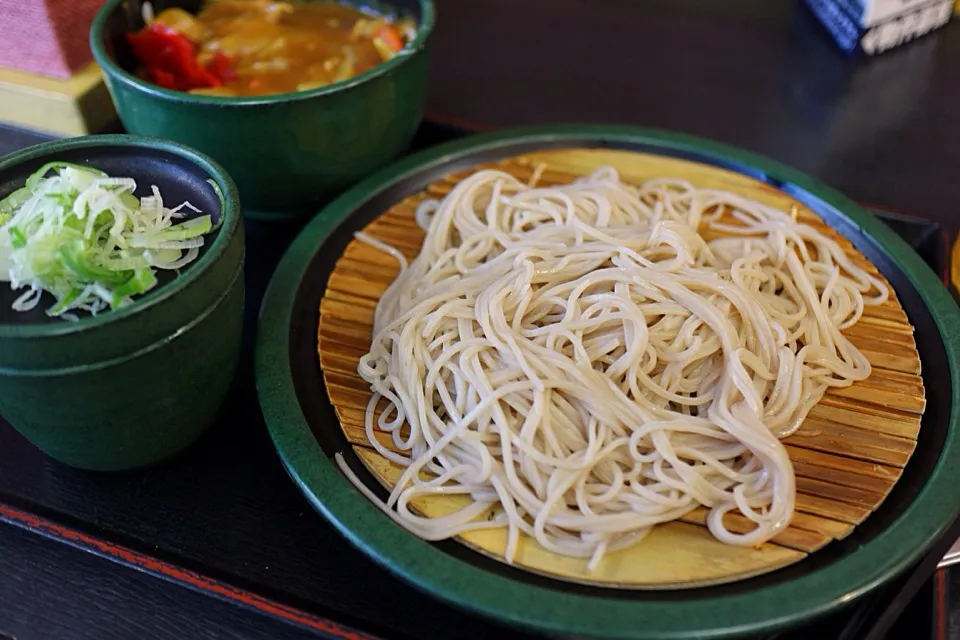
{"type": "Point", "coordinates": [286, 152]}
{"type": "Point", "coordinates": [305, 431]}
{"type": "Point", "coordinates": [128, 388]}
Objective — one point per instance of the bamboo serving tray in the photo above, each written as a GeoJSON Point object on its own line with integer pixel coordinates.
{"type": "Point", "coordinates": [847, 455]}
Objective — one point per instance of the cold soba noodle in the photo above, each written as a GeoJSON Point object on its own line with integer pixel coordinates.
{"type": "Point", "coordinates": [589, 360]}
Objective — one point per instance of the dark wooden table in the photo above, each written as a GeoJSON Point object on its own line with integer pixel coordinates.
{"type": "Point", "coordinates": [760, 74]}
{"type": "Point", "coordinates": [218, 543]}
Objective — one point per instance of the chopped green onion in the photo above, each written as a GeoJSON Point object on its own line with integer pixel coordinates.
{"type": "Point", "coordinates": [17, 239]}
{"type": "Point", "coordinates": [141, 282]}
{"type": "Point", "coordinates": [34, 180]}
{"type": "Point", "coordinates": [77, 260]}
{"type": "Point", "coordinates": [223, 202]}
{"type": "Point", "coordinates": [85, 238]}
{"type": "Point", "coordinates": [11, 203]}
{"type": "Point", "coordinates": [64, 303]}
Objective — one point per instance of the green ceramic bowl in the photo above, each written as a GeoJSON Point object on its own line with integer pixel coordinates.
{"type": "Point", "coordinates": [306, 431]}
{"type": "Point", "coordinates": [128, 388]}
{"type": "Point", "coordinates": [286, 152]}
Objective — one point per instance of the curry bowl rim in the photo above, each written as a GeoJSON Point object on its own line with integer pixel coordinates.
{"type": "Point", "coordinates": [113, 70]}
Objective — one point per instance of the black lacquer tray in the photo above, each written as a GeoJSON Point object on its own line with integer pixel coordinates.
{"type": "Point", "coordinates": [224, 521]}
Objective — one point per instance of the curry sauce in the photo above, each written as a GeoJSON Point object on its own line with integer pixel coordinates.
{"type": "Point", "coordinates": [262, 47]}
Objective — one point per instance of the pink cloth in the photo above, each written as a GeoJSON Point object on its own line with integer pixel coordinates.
{"type": "Point", "coordinates": [48, 37]}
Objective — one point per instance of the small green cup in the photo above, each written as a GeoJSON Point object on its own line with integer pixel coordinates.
{"type": "Point", "coordinates": [288, 153]}
{"type": "Point", "coordinates": [128, 388]}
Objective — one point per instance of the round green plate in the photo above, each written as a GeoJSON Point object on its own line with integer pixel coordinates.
{"type": "Point", "coordinates": [306, 432]}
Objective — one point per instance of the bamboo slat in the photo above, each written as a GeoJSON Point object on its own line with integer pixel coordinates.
{"type": "Point", "coordinates": [847, 455]}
